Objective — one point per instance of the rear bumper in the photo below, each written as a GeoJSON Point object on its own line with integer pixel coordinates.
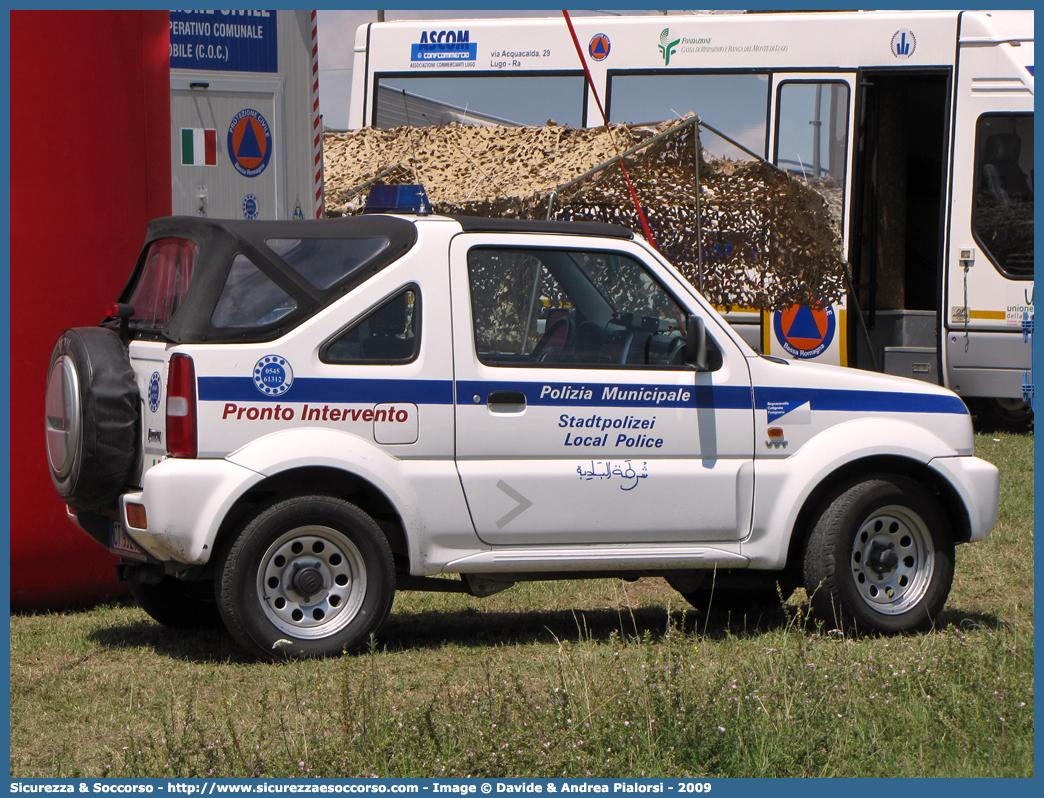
{"type": "Point", "coordinates": [185, 502]}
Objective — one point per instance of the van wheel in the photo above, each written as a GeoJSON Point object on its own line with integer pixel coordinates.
{"type": "Point", "coordinates": [310, 576]}
{"type": "Point", "coordinates": [178, 604]}
{"type": "Point", "coordinates": [880, 557]}
{"type": "Point", "coordinates": [1002, 414]}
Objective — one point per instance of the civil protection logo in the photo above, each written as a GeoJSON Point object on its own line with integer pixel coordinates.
{"type": "Point", "coordinates": [249, 143]}
{"type": "Point", "coordinates": [599, 46]}
{"type": "Point", "coordinates": [273, 375]}
{"type": "Point", "coordinates": [804, 332]}
{"type": "Point", "coordinates": [667, 47]}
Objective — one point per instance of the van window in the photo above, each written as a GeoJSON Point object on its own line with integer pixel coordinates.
{"type": "Point", "coordinates": [1002, 207]}
{"type": "Point", "coordinates": [812, 137]}
{"type": "Point", "coordinates": [737, 105]}
{"type": "Point", "coordinates": [481, 100]}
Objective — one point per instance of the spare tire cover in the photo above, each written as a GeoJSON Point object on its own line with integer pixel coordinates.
{"type": "Point", "coordinates": [92, 424]}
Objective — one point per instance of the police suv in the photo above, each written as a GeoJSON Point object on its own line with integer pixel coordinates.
{"type": "Point", "coordinates": [280, 423]}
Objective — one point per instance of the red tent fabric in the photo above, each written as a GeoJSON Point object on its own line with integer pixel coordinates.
{"type": "Point", "coordinates": [90, 165]}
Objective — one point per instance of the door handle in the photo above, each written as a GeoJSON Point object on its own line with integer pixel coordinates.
{"type": "Point", "coordinates": [506, 401]}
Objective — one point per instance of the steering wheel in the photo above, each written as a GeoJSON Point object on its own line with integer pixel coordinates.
{"type": "Point", "coordinates": [676, 353]}
{"type": "Point", "coordinates": [625, 349]}
{"type": "Point", "coordinates": [541, 352]}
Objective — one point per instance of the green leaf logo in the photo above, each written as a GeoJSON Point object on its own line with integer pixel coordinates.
{"type": "Point", "coordinates": [667, 47]}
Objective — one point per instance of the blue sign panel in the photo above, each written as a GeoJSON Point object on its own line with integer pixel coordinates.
{"type": "Point", "coordinates": [444, 45]}
{"type": "Point", "coordinates": [226, 41]}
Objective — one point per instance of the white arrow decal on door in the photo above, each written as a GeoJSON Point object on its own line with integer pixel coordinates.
{"type": "Point", "coordinates": [523, 504]}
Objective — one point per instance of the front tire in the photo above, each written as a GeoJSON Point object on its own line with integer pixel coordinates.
{"type": "Point", "coordinates": [880, 557]}
{"type": "Point", "coordinates": [310, 576]}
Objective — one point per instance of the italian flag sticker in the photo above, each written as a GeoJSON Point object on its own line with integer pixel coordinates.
{"type": "Point", "coordinates": [198, 147]}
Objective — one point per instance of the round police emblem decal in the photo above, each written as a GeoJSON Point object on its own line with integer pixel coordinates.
{"type": "Point", "coordinates": [249, 143]}
{"type": "Point", "coordinates": [154, 391]}
{"type": "Point", "coordinates": [273, 375]}
{"type": "Point", "coordinates": [599, 46]}
{"type": "Point", "coordinates": [804, 332]}
{"type": "Point", "coordinates": [250, 207]}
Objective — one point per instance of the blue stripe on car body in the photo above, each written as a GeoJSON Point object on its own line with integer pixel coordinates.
{"type": "Point", "coordinates": [580, 394]}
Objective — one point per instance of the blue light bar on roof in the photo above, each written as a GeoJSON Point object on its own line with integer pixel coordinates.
{"type": "Point", "coordinates": [397, 199]}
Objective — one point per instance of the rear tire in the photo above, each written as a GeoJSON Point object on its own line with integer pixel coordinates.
{"type": "Point", "coordinates": [310, 576]}
{"type": "Point", "coordinates": [748, 594]}
{"type": "Point", "coordinates": [178, 604]}
{"type": "Point", "coordinates": [736, 602]}
{"type": "Point", "coordinates": [880, 557]}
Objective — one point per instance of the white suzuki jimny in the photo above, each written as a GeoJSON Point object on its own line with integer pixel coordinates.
{"type": "Point", "coordinates": [280, 423]}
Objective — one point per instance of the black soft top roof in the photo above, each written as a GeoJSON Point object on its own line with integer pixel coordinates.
{"type": "Point", "coordinates": [220, 240]}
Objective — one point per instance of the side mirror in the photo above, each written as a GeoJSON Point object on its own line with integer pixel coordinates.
{"type": "Point", "coordinates": [696, 343]}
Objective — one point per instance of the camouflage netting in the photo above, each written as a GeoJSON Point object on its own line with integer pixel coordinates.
{"type": "Point", "coordinates": [769, 241]}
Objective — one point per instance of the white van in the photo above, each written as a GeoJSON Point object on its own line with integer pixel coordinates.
{"type": "Point", "coordinates": [917, 126]}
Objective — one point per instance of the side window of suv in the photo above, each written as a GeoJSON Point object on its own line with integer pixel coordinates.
{"type": "Point", "coordinates": [390, 333]}
{"type": "Point", "coordinates": [571, 308]}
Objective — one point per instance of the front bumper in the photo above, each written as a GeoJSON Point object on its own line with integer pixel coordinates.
{"type": "Point", "coordinates": [978, 485]}
{"type": "Point", "coordinates": [185, 502]}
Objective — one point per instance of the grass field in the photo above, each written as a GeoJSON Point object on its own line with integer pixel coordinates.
{"type": "Point", "coordinates": [599, 678]}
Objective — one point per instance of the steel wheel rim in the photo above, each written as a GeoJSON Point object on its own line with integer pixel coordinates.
{"type": "Point", "coordinates": [63, 417]}
{"type": "Point", "coordinates": [888, 588]}
{"type": "Point", "coordinates": [311, 582]}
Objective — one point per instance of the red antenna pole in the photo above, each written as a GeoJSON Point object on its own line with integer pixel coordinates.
{"type": "Point", "coordinates": [605, 120]}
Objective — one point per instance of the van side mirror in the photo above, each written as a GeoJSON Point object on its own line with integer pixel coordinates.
{"type": "Point", "coordinates": [696, 343]}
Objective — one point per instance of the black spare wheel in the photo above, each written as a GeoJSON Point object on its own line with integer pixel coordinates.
{"type": "Point", "coordinates": [92, 417]}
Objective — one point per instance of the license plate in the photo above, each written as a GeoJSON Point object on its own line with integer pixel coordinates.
{"type": "Point", "coordinates": [122, 545]}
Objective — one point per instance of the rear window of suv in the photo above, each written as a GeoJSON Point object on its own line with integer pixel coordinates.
{"type": "Point", "coordinates": [324, 262]}
{"type": "Point", "coordinates": [169, 265]}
